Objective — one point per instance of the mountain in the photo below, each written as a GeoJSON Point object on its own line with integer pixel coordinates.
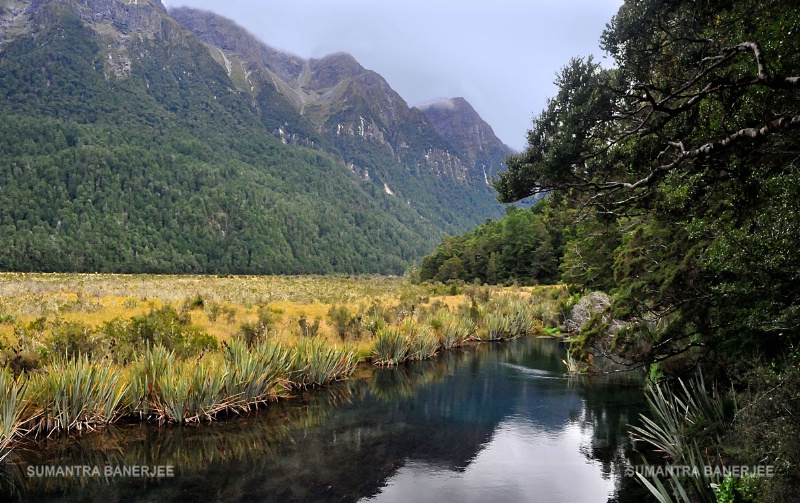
{"type": "Point", "coordinates": [474, 140]}
{"type": "Point", "coordinates": [137, 140]}
{"type": "Point", "coordinates": [355, 115]}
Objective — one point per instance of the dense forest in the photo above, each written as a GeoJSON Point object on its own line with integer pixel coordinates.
{"type": "Point", "coordinates": [675, 173]}
{"type": "Point", "coordinates": [523, 247]}
{"type": "Point", "coordinates": [168, 168]}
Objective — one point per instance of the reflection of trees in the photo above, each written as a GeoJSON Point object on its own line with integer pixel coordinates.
{"type": "Point", "coordinates": [611, 403]}
{"type": "Point", "coordinates": [343, 442]}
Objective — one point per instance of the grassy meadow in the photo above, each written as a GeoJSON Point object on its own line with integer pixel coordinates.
{"type": "Point", "coordinates": [81, 351]}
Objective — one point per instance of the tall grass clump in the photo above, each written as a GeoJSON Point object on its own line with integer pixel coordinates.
{"type": "Point", "coordinates": [423, 343]}
{"type": "Point", "coordinates": [457, 329]}
{"type": "Point", "coordinates": [167, 389]}
{"type": "Point", "coordinates": [390, 347]}
{"type": "Point", "coordinates": [679, 417]}
{"type": "Point", "coordinates": [191, 392]}
{"type": "Point", "coordinates": [76, 394]}
{"type": "Point", "coordinates": [316, 363]}
{"type": "Point", "coordinates": [497, 326]}
{"type": "Point", "coordinates": [12, 408]}
{"type": "Point", "coordinates": [255, 375]}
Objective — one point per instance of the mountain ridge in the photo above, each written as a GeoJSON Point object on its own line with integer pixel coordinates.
{"type": "Point", "coordinates": [130, 144]}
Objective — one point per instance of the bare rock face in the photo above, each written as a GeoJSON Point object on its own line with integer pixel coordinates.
{"type": "Point", "coordinates": [124, 16]}
{"type": "Point", "coordinates": [470, 135]}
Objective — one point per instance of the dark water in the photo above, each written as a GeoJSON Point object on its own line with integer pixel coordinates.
{"type": "Point", "coordinates": [497, 422]}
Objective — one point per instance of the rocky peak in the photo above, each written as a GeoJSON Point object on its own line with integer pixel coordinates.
{"type": "Point", "coordinates": [222, 33]}
{"type": "Point", "coordinates": [125, 16]}
{"type": "Point", "coordinates": [459, 123]}
{"type": "Point", "coordinates": [333, 69]}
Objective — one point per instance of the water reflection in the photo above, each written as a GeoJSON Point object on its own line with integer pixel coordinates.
{"type": "Point", "coordinates": [496, 422]}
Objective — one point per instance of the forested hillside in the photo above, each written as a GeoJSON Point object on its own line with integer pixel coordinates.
{"type": "Point", "coordinates": [126, 147]}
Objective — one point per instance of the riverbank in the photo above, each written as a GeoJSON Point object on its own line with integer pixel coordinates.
{"type": "Point", "coordinates": [78, 354]}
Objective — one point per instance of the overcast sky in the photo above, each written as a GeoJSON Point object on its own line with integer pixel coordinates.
{"type": "Point", "coordinates": [500, 55]}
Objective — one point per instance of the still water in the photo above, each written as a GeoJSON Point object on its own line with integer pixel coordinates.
{"type": "Point", "coordinates": [496, 422]}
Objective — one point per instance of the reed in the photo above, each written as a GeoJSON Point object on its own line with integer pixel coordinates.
{"type": "Point", "coordinates": [76, 394]}
{"type": "Point", "coordinates": [390, 347]}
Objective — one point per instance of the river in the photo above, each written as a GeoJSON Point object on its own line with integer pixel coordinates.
{"type": "Point", "coordinates": [495, 422]}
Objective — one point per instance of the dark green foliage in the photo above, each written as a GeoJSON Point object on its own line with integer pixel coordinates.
{"type": "Point", "coordinates": [73, 339]}
{"type": "Point", "coordinates": [766, 429]}
{"type": "Point", "coordinates": [690, 180]}
{"type": "Point", "coordinates": [518, 248]}
{"type": "Point", "coordinates": [169, 169]}
{"type": "Point", "coordinates": [683, 162]}
{"type": "Point", "coordinates": [164, 327]}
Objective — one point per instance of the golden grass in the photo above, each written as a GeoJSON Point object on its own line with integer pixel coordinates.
{"type": "Point", "coordinates": [46, 319]}
{"type": "Point", "coordinates": [94, 299]}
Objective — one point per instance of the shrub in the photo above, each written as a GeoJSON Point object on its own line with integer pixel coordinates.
{"type": "Point", "coordinates": [74, 338]}
{"type": "Point", "coordinates": [160, 327]}
{"type": "Point", "coordinates": [308, 329]}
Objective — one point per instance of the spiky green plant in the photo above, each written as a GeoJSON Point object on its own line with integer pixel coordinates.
{"type": "Point", "coordinates": [497, 326]}
{"type": "Point", "coordinates": [77, 394]}
{"type": "Point", "coordinates": [167, 389]}
{"type": "Point", "coordinates": [255, 375]}
{"type": "Point", "coordinates": [391, 347]}
{"type": "Point", "coordinates": [456, 330]}
{"type": "Point", "coordinates": [12, 408]}
{"type": "Point", "coordinates": [316, 363]}
{"type": "Point", "coordinates": [143, 375]}
{"type": "Point", "coordinates": [423, 345]}
{"type": "Point", "coordinates": [674, 413]}
{"type": "Point", "coordinates": [189, 392]}
{"type": "Point", "coordinates": [522, 320]}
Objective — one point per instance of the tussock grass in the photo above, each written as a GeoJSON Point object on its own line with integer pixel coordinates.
{"type": "Point", "coordinates": [12, 409]}
{"type": "Point", "coordinates": [81, 351]}
{"type": "Point", "coordinates": [76, 394]}
{"type": "Point", "coordinates": [316, 363]}
{"type": "Point", "coordinates": [255, 375]}
{"type": "Point", "coordinates": [391, 347]}
{"type": "Point", "coordinates": [167, 389]}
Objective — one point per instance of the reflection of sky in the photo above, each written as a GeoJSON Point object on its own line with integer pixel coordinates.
{"type": "Point", "coordinates": [522, 462]}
